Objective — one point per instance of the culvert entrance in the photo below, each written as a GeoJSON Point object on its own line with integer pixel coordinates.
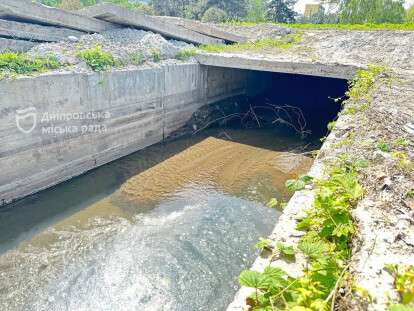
{"type": "Point", "coordinates": [169, 227]}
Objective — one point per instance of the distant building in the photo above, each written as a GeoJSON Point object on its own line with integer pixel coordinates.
{"type": "Point", "coordinates": [312, 9]}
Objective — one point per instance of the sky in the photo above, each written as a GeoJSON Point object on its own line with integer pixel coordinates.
{"type": "Point", "coordinates": [300, 5]}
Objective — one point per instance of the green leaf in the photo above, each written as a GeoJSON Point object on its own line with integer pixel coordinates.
{"type": "Point", "coordinates": [306, 179]}
{"type": "Point", "coordinates": [313, 249]}
{"type": "Point", "coordinates": [400, 308]}
{"type": "Point", "coordinates": [286, 251]}
{"type": "Point", "coordinates": [250, 279]}
{"type": "Point", "coordinates": [263, 243]}
{"type": "Point", "coordinates": [273, 203]}
{"type": "Point", "coordinates": [295, 185]}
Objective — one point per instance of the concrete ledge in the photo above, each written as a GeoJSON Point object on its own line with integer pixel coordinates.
{"type": "Point", "coordinates": [116, 14]}
{"type": "Point", "coordinates": [250, 62]}
{"type": "Point", "coordinates": [26, 10]}
{"type": "Point", "coordinates": [35, 32]}
{"type": "Point", "coordinates": [15, 45]}
{"type": "Point", "coordinates": [202, 28]}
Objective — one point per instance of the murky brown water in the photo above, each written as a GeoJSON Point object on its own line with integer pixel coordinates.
{"type": "Point", "coordinates": [168, 228]}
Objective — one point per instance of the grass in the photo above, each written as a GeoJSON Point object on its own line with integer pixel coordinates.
{"type": "Point", "coordinates": [156, 55]}
{"type": "Point", "coordinates": [284, 42]}
{"type": "Point", "coordinates": [97, 59]}
{"type": "Point", "coordinates": [137, 58]}
{"type": "Point", "coordinates": [386, 26]}
{"type": "Point", "coordinates": [185, 54]}
{"type": "Point", "coordinates": [12, 64]}
{"type": "Point", "coordinates": [360, 92]}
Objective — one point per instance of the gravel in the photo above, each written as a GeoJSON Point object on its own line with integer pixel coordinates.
{"type": "Point", "coordinates": [123, 44]}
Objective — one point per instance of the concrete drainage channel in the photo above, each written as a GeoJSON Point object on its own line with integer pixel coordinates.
{"type": "Point", "coordinates": [58, 125]}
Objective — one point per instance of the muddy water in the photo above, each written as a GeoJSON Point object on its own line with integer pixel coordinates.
{"type": "Point", "coordinates": [167, 228]}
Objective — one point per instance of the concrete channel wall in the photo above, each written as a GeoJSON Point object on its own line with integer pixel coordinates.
{"type": "Point", "coordinates": [57, 126]}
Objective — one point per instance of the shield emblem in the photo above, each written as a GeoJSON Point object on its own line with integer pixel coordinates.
{"type": "Point", "coordinates": [26, 119]}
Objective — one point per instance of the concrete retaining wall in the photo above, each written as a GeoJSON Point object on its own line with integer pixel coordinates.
{"type": "Point", "coordinates": [54, 127]}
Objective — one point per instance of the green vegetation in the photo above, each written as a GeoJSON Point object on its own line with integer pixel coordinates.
{"type": "Point", "coordinates": [281, 11]}
{"type": "Point", "coordinates": [404, 284]}
{"type": "Point", "coordinates": [137, 58]}
{"type": "Point", "coordinates": [263, 244]}
{"type": "Point", "coordinates": [156, 55]}
{"type": "Point", "coordinates": [185, 54]}
{"type": "Point", "coordinates": [214, 15]}
{"type": "Point", "coordinates": [273, 203]}
{"type": "Point", "coordinates": [326, 245]}
{"type": "Point", "coordinates": [384, 147]}
{"type": "Point", "coordinates": [256, 11]}
{"type": "Point", "coordinates": [97, 59]}
{"type": "Point", "coordinates": [366, 26]}
{"type": "Point", "coordinates": [364, 81]}
{"type": "Point", "coordinates": [298, 184]}
{"type": "Point", "coordinates": [12, 64]}
{"type": "Point", "coordinates": [371, 11]}
{"type": "Point", "coordinates": [286, 252]}
{"type": "Point", "coordinates": [410, 14]}
{"type": "Point", "coordinates": [284, 42]}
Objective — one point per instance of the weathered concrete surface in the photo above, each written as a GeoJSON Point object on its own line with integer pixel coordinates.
{"type": "Point", "coordinates": [203, 28]}
{"type": "Point", "coordinates": [252, 62]}
{"type": "Point", "coordinates": [136, 108]}
{"type": "Point", "coordinates": [116, 14]}
{"type": "Point", "coordinates": [35, 32]}
{"type": "Point", "coordinates": [26, 10]}
{"type": "Point", "coordinates": [15, 45]}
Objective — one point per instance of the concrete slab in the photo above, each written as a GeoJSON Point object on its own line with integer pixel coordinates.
{"type": "Point", "coordinates": [27, 31]}
{"type": "Point", "coordinates": [15, 45]}
{"type": "Point", "coordinates": [203, 28]}
{"type": "Point", "coordinates": [25, 10]}
{"type": "Point", "coordinates": [250, 62]}
{"type": "Point", "coordinates": [116, 14]}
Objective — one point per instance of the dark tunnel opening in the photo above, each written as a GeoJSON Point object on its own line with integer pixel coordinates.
{"type": "Point", "coordinates": [297, 104]}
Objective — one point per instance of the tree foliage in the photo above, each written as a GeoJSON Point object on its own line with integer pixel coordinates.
{"type": "Point", "coordinates": [410, 14]}
{"type": "Point", "coordinates": [372, 11]}
{"type": "Point", "coordinates": [256, 11]}
{"type": "Point", "coordinates": [214, 15]}
{"type": "Point", "coordinates": [281, 11]}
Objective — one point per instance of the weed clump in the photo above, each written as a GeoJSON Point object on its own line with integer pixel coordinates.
{"type": "Point", "coordinates": [284, 42]}
{"type": "Point", "coordinates": [137, 58]}
{"type": "Point", "coordinates": [185, 54]}
{"type": "Point", "coordinates": [364, 81]}
{"type": "Point", "coordinates": [12, 64]}
{"type": "Point", "coordinates": [156, 55]}
{"type": "Point", "coordinates": [97, 59]}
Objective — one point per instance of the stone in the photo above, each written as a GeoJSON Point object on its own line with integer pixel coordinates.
{"type": "Point", "coordinates": [35, 32]}
{"type": "Point", "coordinates": [203, 28]}
{"type": "Point", "coordinates": [73, 39]}
{"type": "Point", "coordinates": [26, 10]}
{"type": "Point", "coordinates": [15, 45]}
{"type": "Point", "coordinates": [133, 18]}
